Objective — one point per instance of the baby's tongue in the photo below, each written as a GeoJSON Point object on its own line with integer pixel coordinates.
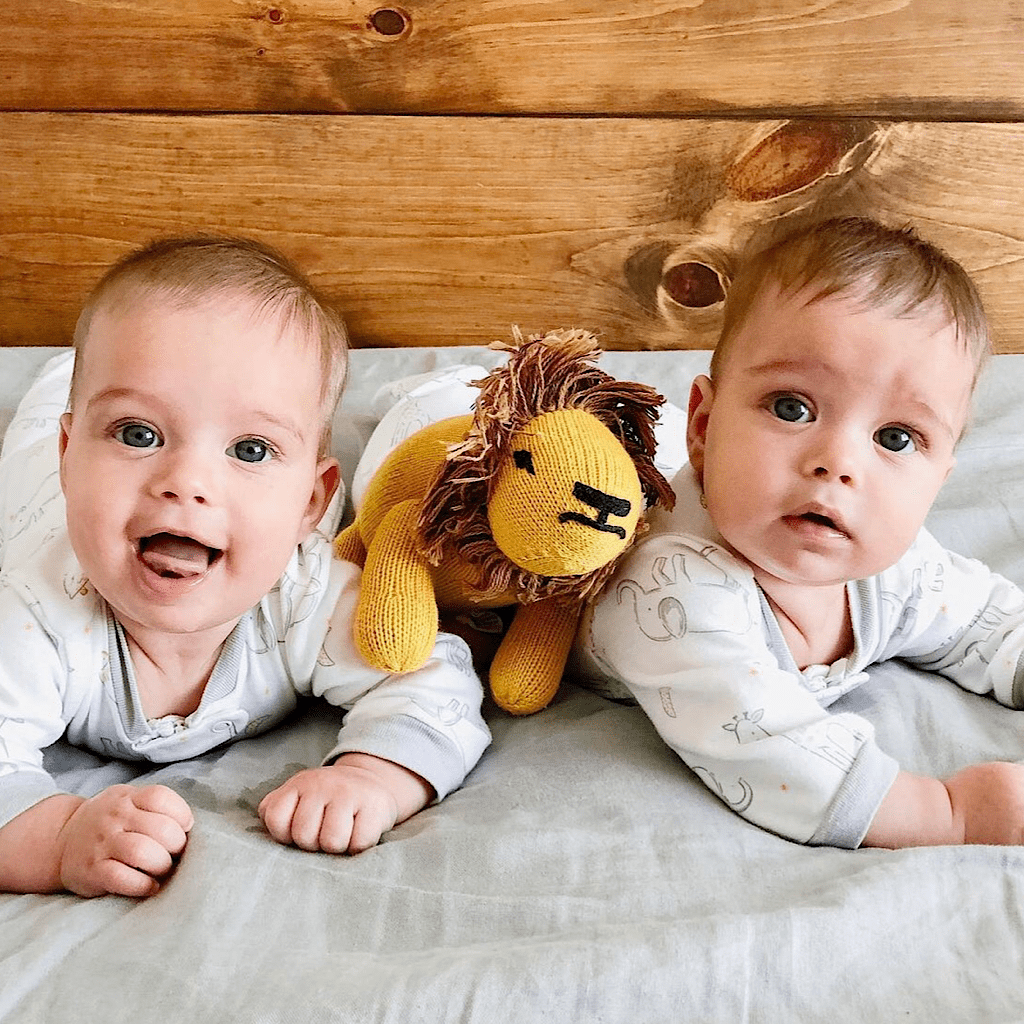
{"type": "Point", "coordinates": [169, 555]}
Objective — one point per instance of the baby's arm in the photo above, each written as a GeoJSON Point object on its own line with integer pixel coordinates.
{"type": "Point", "coordinates": [681, 625]}
{"type": "Point", "coordinates": [980, 804]}
{"type": "Point", "coordinates": [407, 738]}
{"type": "Point", "coordinates": [123, 840]}
{"type": "Point", "coordinates": [344, 807]}
{"type": "Point", "coordinates": [969, 625]}
{"type": "Point", "coordinates": [425, 732]}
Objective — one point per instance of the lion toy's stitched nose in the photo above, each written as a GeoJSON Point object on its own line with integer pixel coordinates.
{"type": "Point", "coordinates": [603, 503]}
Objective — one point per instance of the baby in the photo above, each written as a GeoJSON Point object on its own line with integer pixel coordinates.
{"type": "Point", "coordinates": [796, 557]}
{"type": "Point", "coordinates": [186, 598]}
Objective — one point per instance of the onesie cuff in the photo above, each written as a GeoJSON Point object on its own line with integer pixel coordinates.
{"type": "Point", "coordinates": [408, 742]}
{"type": "Point", "coordinates": [1017, 690]}
{"type": "Point", "coordinates": [854, 806]}
{"type": "Point", "coordinates": [22, 790]}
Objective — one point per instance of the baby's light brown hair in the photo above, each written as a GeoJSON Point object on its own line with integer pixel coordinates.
{"type": "Point", "coordinates": [181, 272]}
{"type": "Point", "coordinates": [882, 267]}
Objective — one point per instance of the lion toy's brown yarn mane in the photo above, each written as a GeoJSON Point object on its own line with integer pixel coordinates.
{"type": "Point", "coordinates": [543, 374]}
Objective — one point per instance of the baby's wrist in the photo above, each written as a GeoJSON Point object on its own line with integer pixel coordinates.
{"type": "Point", "coordinates": [411, 791]}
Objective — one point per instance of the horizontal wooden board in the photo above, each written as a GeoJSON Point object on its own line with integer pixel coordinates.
{"type": "Point", "coordinates": [449, 230]}
{"type": "Point", "coordinates": [913, 59]}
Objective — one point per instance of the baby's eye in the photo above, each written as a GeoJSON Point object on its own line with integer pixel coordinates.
{"type": "Point", "coordinates": [138, 435]}
{"type": "Point", "coordinates": [895, 439]}
{"type": "Point", "coordinates": [251, 449]}
{"type": "Point", "coordinates": [791, 409]}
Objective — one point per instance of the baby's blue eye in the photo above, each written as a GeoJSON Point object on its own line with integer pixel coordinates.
{"type": "Point", "coordinates": [791, 409]}
{"type": "Point", "coordinates": [250, 450]}
{"type": "Point", "coordinates": [138, 435]}
{"type": "Point", "coordinates": [895, 439]}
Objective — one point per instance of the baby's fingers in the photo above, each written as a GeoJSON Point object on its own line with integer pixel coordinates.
{"type": "Point", "coordinates": [151, 851]}
{"type": "Point", "coordinates": [304, 819]}
{"type": "Point", "coordinates": [164, 801]}
{"type": "Point", "coordinates": [111, 876]}
{"type": "Point", "coordinates": [276, 810]}
{"type": "Point", "coordinates": [307, 822]}
{"type": "Point", "coordinates": [369, 825]}
{"type": "Point", "coordinates": [133, 865]}
{"type": "Point", "coordinates": [337, 830]}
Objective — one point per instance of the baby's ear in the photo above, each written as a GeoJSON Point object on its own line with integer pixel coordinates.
{"type": "Point", "coordinates": [702, 395]}
{"type": "Point", "coordinates": [328, 476]}
{"type": "Point", "coordinates": [65, 429]}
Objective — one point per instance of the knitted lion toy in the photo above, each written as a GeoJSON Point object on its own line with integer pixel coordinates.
{"type": "Point", "coordinates": [528, 502]}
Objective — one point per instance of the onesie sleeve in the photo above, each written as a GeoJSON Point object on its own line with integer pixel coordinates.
{"type": "Point", "coordinates": [428, 720]}
{"type": "Point", "coordinates": [952, 615]}
{"type": "Point", "coordinates": [681, 625]}
{"type": "Point", "coordinates": [31, 705]}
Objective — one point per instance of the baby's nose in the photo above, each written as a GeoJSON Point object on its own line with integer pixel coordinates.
{"type": "Point", "coordinates": [186, 476]}
{"type": "Point", "coordinates": [835, 457]}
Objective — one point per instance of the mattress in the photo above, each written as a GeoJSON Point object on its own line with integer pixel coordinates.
{"type": "Point", "coordinates": [582, 872]}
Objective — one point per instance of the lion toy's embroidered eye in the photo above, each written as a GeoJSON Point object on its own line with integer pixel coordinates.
{"type": "Point", "coordinates": [524, 460]}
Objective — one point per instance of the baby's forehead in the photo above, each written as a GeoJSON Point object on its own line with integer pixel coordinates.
{"type": "Point", "coordinates": [822, 300]}
{"type": "Point", "coordinates": [119, 319]}
{"type": "Point", "coordinates": [110, 314]}
{"type": "Point", "coordinates": [801, 318]}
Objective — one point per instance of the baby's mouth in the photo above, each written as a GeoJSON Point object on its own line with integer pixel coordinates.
{"type": "Point", "coordinates": [821, 519]}
{"type": "Point", "coordinates": [176, 557]}
{"type": "Point", "coordinates": [817, 517]}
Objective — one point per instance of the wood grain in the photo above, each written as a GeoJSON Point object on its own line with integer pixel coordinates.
{"type": "Point", "coordinates": [449, 230]}
{"type": "Point", "coordinates": [900, 59]}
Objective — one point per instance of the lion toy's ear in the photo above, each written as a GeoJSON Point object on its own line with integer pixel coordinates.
{"type": "Point", "coordinates": [531, 504]}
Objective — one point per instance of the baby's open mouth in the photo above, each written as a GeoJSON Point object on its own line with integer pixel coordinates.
{"type": "Point", "coordinates": [175, 557]}
{"type": "Point", "coordinates": [815, 517]}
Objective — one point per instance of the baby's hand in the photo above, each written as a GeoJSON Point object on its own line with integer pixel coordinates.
{"type": "Point", "coordinates": [344, 807]}
{"type": "Point", "coordinates": [988, 803]}
{"type": "Point", "coordinates": [123, 840]}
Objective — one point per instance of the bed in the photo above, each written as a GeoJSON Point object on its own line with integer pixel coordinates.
{"type": "Point", "coordinates": [582, 873]}
{"type": "Point", "coordinates": [444, 170]}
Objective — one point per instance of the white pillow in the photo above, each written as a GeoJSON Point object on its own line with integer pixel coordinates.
{"type": "Point", "coordinates": [39, 411]}
{"type": "Point", "coordinates": [411, 403]}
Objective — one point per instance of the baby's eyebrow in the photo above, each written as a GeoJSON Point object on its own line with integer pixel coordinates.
{"type": "Point", "coordinates": [791, 366]}
{"type": "Point", "coordinates": [113, 393]}
{"type": "Point", "coordinates": [282, 423]}
{"type": "Point", "coordinates": [116, 394]}
{"type": "Point", "coordinates": [926, 413]}
{"type": "Point", "coordinates": [257, 417]}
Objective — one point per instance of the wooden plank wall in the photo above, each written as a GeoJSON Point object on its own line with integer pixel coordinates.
{"type": "Point", "coordinates": [447, 168]}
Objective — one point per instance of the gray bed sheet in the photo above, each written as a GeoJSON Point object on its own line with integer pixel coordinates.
{"type": "Point", "coordinates": [581, 874]}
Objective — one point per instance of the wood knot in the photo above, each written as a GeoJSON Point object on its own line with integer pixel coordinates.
{"type": "Point", "coordinates": [389, 21]}
{"type": "Point", "coordinates": [694, 285]}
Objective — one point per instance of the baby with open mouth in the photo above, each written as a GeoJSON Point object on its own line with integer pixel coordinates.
{"type": "Point", "coordinates": [185, 593]}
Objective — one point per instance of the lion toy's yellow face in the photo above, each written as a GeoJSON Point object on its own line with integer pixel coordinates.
{"type": "Point", "coordinates": [568, 499]}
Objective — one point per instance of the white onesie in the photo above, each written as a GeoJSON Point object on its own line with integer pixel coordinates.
{"type": "Point", "coordinates": [65, 667]}
{"type": "Point", "coordinates": [685, 627]}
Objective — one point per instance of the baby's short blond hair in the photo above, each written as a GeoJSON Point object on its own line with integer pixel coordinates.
{"type": "Point", "coordinates": [883, 267]}
{"type": "Point", "coordinates": [197, 268]}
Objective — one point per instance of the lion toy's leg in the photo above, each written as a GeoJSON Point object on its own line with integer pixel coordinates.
{"type": "Point", "coordinates": [396, 619]}
{"type": "Point", "coordinates": [528, 667]}
{"type": "Point", "coordinates": [348, 545]}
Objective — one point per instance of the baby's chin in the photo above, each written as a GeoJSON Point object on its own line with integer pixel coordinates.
{"type": "Point", "coordinates": [771, 573]}
{"type": "Point", "coordinates": [144, 623]}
